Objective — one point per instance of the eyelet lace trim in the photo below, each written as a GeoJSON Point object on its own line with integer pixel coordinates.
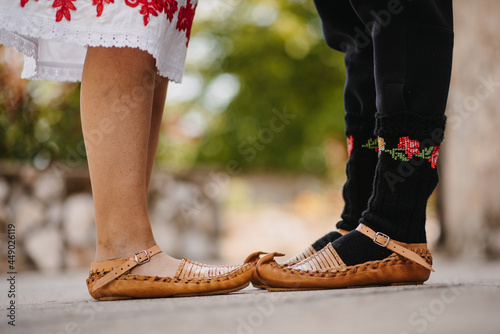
{"type": "Point", "coordinates": [29, 29]}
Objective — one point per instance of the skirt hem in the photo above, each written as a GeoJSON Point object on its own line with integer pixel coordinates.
{"type": "Point", "coordinates": [21, 34]}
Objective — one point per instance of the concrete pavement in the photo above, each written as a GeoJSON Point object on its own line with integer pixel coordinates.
{"type": "Point", "coordinates": [461, 297]}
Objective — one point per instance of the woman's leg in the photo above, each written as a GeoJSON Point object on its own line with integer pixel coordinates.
{"type": "Point", "coordinates": [159, 96]}
{"type": "Point", "coordinates": [117, 99]}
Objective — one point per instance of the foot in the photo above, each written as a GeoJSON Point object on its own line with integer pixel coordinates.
{"type": "Point", "coordinates": [315, 247]}
{"type": "Point", "coordinates": [152, 274]}
{"type": "Point", "coordinates": [361, 257]}
{"type": "Point", "coordinates": [327, 238]}
{"type": "Point", "coordinates": [312, 249]}
{"type": "Point", "coordinates": [161, 265]}
{"type": "Point", "coordinates": [355, 248]}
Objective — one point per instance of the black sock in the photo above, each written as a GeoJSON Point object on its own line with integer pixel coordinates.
{"type": "Point", "coordinates": [405, 177]}
{"type": "Point", "coordinates": [360, 170]}
{"type": "Point", "coordinates": [355, 248]}
{"type": "Point", "coordinates": [325, 240]}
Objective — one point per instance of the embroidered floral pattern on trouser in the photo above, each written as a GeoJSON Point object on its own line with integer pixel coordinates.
{"type": "Point", "coordinates": [408, 149]}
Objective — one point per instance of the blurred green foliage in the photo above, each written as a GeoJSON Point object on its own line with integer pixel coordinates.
{"type": "Point", "coordinates": [250, 63]}
{"type": "Point", "coordinates": [39, 121]}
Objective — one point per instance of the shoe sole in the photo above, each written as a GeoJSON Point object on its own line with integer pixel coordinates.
{"type": "Point", "coordinates": [260, 286]}
{"type": "Point", "coordinates": [209, 293]}
{"type": "Point", "coordinates": [271, 289]}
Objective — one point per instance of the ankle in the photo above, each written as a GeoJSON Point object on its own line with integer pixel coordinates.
{"type": "Point", "coordinates": [356, 248]}
{"type": "Point", "coordinates": [118, 249]}
{"type": "Point", "coordinates": [325, 240]}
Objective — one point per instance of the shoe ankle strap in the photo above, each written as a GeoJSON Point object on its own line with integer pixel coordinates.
{"type": "Point", "coordinates": [384, 240]}
{"type": "Point", "coordinates": [137, 259]}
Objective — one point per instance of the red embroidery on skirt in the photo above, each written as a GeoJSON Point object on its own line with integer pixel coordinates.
{"type": "Point", "coordinates": [24, 2]}
{"type": "Point", "coordinates": [65, 5]}
{"type": "Point", "coordinates": [148, 7]}
{"type": "Point", "coordinates": [170, 9]}
{"type": "Point", "coordinates": [185, 19]}
{"type": "Point", "coordinates": [100, 5]}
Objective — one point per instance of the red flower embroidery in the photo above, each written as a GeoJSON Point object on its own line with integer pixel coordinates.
{"type": "Point", "coordinates": [411, 146]}
{"type": "Point", "coordinates": [434, 157]}
{"type": "Point", "coordinates": [100, 5]}
{"type": "Point", "coordinates": [65, 5]}
{"type": "Point", "coordinates": [185, 19]}
{"type": "Point", "coordinates": [170, 8]}
{"type": "Point", "coordinates": [132, 3]}
{"type": "Point", "coordinates": [148, 7]}
{"type": "Point", "coordinates": [24, 2]}
{"type": "Point", "coordinates": [350, 143]}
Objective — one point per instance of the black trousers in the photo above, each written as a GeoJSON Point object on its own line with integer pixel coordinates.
{"type": "Point", "coordinates": [398, 62]}
{"type": "Point", "coordinates": [398, 56]}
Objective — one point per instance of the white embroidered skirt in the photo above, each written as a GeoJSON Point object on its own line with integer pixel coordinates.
{"type": "Point", "coordinates": [54, 35]}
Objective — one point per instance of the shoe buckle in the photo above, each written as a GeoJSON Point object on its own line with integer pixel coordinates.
{"type": "Point", "coordinates": [382, 235]}
{"type": "Point", "coordinates": [136, 256]}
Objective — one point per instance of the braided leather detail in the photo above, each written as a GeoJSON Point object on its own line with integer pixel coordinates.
{"type": "Point", "coordinates": [301, 256]}
{"type": "Point", "coordinates": [392, 260]}
{"type": "Point", "coordinates": [95, 275]}
{"type": "Point", "coordinates": [190, 269]}
{"type": "Point", "coordinates": [327, 258]}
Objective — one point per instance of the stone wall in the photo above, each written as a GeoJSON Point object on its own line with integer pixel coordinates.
{"type": "Point", "coordinates": [471, 152]}
{"type": "Point", "coordinates": [55, 225]}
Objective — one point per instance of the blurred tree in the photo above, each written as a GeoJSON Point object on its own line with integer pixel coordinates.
{"type": "Point", "coordinates": [272, 54]}
{"type": "Point", "coordinates": [39, 121]}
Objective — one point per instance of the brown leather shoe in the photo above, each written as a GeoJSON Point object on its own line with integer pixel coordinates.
{"type": "Point", "coordinates": [111, 280]}
{"type": "Point", "coordinates": [258, 283]}
{"type": "Point", "coordinates": [408, 264]}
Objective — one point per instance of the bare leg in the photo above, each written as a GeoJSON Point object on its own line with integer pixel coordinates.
{"type": "Point", "coordinates": [116, 106]}
{"type": "Point", "coordinates": [160, 93]}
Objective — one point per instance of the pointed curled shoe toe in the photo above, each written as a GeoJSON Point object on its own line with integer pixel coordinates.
{"type": "Point", "coordinates": [309, 251]}
{"type": "Point", "coordinates": [254, 257]}
{"type": "Point", "coordinates": [111, 280]}
{"type": "Point", "coordinates": [408, 264]}
{"type": "Point", "coordinates": [257, 282]}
